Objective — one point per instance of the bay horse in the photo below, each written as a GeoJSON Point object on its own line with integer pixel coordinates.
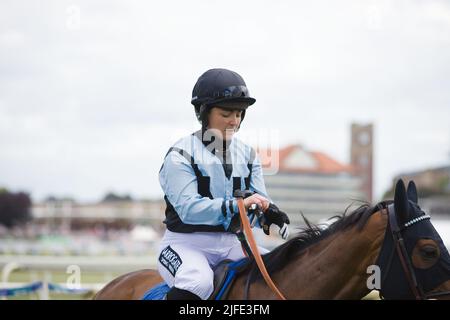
{"type": "Point", "coordinates": [393, 241]}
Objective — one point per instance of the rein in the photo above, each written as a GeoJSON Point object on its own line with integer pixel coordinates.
{"type": "Point", "coordinates": [254, 248]}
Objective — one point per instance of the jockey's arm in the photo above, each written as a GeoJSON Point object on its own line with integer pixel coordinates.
{"type": "Point", "coordinates": [257, 180]}
{"type": "Point", "coordinates": [179, 183]}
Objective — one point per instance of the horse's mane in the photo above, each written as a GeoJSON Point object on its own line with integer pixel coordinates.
{"type": "Point", "coordinates": [313, 233]}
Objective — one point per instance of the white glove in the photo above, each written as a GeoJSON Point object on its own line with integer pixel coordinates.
{"type": "Point", "coordinates": [284, 231]}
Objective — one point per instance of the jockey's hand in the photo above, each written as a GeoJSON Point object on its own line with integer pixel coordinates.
{"type": "Point", "coordinates": [258, 200]}
{"type": "Point", "coordinates": [274, 215]}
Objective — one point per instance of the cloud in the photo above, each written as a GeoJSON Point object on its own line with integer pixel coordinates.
{"type": "Point", "coordinates": [88, 90]}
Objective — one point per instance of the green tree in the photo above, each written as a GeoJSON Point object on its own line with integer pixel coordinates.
{"type": "Point", "coordinates": [111, 197]}
{"type": "Point", "coordinates": [14, 208]}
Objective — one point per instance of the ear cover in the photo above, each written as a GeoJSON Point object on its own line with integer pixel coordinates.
{"type": "Point", "coordinates": [401, 202]}
{"type": "Point", "coordinates": [412, 192]}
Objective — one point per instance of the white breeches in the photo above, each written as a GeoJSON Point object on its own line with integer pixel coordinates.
{"type": "Point", "coordinates": [186, 260]}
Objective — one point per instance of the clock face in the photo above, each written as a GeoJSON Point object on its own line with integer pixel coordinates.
{"type": "Point", "coordinates": [364, 138]}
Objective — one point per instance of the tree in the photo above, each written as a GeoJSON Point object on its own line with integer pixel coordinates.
{"type": "Point", "coordinates": [14, 208]}
{"type": "Point", "coordinates": [112, 197]}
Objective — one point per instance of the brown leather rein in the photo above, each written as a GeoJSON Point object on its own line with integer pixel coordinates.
{"type": "Point", "coordinates": [254, 249]}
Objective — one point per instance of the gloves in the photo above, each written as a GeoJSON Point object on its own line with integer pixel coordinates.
{"type": "Point", "coordinates": [235, 224]}
{"type": "Point", "coordinates": [274, 215]}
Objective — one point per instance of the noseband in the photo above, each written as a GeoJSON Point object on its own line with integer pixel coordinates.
{"type": "Point", "coordinates": [405, 259]}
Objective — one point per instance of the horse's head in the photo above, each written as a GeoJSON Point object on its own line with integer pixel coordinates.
{"type": "Point", "coordinates": [414, 261]}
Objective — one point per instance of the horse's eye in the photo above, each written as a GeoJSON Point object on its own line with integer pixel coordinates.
{"type": "Point", "coordinates": [429, 252]}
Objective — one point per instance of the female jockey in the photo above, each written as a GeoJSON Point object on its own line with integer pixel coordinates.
{"type": "Point", "coordinates": [199, 176]}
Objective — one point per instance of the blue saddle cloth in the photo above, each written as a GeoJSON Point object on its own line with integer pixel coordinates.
{"type": "Point", "coordinates": [158, 292]}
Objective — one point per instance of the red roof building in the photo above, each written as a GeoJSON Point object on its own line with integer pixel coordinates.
{"type": "Point", "coordinates": [311, 182]}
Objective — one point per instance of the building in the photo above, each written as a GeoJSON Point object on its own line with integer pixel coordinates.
{"type": "Point", "coordinates": [109, 214]}
{"type": "Point", "coordinates": [312, 183]}
{"type": "Point", "coordinates": [361, 156]}
{"type": "Point", "coordinates": [432, 181]}
{"type": "Point", "coordinates": [433, 186]}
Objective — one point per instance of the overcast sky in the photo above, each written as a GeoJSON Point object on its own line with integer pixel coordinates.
{"type": "Point", "coordinates": [93, 93]}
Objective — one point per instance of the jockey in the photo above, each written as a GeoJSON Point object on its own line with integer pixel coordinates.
{"type": "Point", "coordinates": [199, 176]}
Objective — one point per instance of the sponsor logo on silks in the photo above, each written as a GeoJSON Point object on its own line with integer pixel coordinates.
{"type": "Point", "coordinates": [170, 260]}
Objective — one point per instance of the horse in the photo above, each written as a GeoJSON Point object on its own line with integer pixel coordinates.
{"type": "Point", "coordinates": [391, 247]}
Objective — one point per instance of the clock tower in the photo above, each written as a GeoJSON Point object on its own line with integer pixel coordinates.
{"type": "Point", "coordinates": [362, 156]}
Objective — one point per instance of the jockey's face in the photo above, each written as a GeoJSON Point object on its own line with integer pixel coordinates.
{"type": "Point", "coordinates": [225, 121]}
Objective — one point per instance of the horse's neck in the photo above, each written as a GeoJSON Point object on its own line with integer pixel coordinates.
{"type": "Point", "coordinates": [336, 267]}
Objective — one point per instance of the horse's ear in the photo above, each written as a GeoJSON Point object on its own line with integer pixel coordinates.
{"type": "Point", "coordinates": [412, 192]}
{"type": "Point", "coordinates": [401, 202]}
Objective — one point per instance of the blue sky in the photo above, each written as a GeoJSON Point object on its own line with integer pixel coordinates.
{"type": "Point", "coordinates": [92, 94]}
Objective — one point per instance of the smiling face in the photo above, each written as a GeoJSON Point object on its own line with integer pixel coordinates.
{"type": "Point", "coordinates": [224, 122]}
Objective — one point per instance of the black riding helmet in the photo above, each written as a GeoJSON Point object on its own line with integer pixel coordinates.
{"type": "Point", "coordinates": [220, 88]}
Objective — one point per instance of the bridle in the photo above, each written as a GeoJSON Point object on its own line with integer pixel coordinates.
{"type": "Point", "coordinates": [405, 259]}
